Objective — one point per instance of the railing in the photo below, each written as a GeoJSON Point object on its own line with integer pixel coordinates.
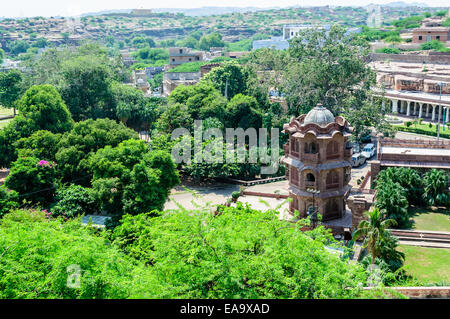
{"type": "Point", "coordinates": [310, 157]}
{"type": "Point", "coordinates": [310, 184]}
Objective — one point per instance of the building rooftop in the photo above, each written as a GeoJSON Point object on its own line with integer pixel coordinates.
{"type": "Point", "coordinates": [319, 115]}
{"type": "Point", "coordinates": [415, 151]}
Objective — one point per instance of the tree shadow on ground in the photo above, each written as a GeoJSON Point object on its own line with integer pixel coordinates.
{"type": "Point", "coordinates": [415, 211]}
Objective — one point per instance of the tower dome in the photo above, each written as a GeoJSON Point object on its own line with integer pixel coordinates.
{"type": "Point", "coordinates": [319, 115]}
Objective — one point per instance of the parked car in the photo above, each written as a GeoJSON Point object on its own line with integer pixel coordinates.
{"type": "Point", "coordinates": [358, 159]}
{"type": "Point", "coordinates": [369, 150]}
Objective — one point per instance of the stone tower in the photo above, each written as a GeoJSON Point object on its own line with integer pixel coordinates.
{"type": "Point", "coordinates": [318, 159]}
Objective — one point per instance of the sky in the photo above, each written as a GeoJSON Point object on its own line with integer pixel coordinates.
{"type": "Point", "coordinates": [46, 8]}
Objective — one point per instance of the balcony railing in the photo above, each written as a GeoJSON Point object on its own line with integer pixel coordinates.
{"type": "Point", "coordinates": [310, 157]}
{"type": "Point", "coordinates": [310, 184]}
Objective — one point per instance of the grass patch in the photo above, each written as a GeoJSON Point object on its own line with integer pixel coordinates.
{"type": "Point", "coordinates": [425, 129]}
{"type": "Point", "coordinates": [428, 265]}
{"type": "Point", "coordinates": [434, 219]}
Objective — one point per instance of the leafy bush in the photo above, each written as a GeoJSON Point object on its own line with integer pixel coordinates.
{"type": "Point", "coordinates": [235, 195]}
{"type": "Point", "coordinates": [232, 256]}
{"type": "Point", "coordinates": [33, 179]}
{"type": "Point", "coordinates": [389, 50]}
{"type": "Point", "coordinates": [52, 250]}
{"type": "Point", "coordinates": [73, 201]}
{"type": "Point", "coordinates": [8, 200]}
{"type": "Point", "coordinates": [130, 179]}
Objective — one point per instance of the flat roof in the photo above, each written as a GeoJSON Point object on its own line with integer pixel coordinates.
{"type": "Point", "coordinates": [415, 151]}
{"type": "Point", "coordinates": [414, 96]}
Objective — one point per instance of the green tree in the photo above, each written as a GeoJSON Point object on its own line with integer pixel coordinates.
{"type": "Point", "coordinates": [175, 115]}
{"type": "Point", "coordinates": [131, 179]}
{"type": "Point", "coordinates": [9, 200]}
{"type": "Point", "coordinates": [243, 111]}
{"type": "Point", "coordinates": [86, 87]}
{"type": "Point", "coordinates": [374, 231]}
{"type": "Point", "coordinates": [211, 40]}
{"type": "Point", "coordinates": [392, 202]}
{"type": "Point", "coordinates": [10, 88]}
{"type": "Point", "coordinates": [328, 67]}
{"type": "Point", "coordinates": [85, 139]}
{"type": "Point", "coordinates": [232, 256]}
{"type": "Point", "coordinates": [41, 108]}
{"type": "Point", "coordinates": [2, 56]}
{"type": "Point", "coordinates": [51, 248]}
{"type": "Point", "coordinates": [436, 185]}
{"type": "Point", "coordinates": [18, 47]}
{"type": "Point", "coordinates": [40, 144]}
{"type": "Point", "coordinates": [132, 108]}
{"type": "Point", "coordinates": [45, 107]}
{"type": "Point", "coordinates": [229, 78]}
{"type": "Point", "coordinates": [73, 201]}
{"type": "Point", "coordinates": [33, 179]}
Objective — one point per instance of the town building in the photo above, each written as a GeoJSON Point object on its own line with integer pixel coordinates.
{"type": "Point", "coordinates": [422, 155]}
{"type": "Point", "coordinates": [139, 78]}
{"type": "Point", "coordinates": [426, 34]}
{"type": "Point", "coordinates": [178, 56]}
{"type": "Point", "coordinates": [415, 89]}
{"type": "Point", "coordinates": [127, 59]}
{"type": "Point", "coordinates": [173, 79]}
{"type": "Point", "coordinates": [318, 161]}
{"type": "Point", "coordinates": [277, 43]}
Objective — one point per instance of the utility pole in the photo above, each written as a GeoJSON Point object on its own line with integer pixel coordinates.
{"type": "Point", "coordinates": [226, 89]}
{"type": "Point", "coordinates": [439, 111]}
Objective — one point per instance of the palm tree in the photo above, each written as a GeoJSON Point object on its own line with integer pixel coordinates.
{"type": "Point", "coordinates": [374, 232]}
{"type": "Point", "coordinates": [436, 182]}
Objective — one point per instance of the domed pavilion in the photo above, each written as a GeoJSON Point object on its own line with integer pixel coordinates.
{"type": "Point", "coordinates": [318, 161]}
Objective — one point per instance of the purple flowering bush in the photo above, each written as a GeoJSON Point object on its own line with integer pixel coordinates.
{"type": "Point", "coordinates": [33, 179]}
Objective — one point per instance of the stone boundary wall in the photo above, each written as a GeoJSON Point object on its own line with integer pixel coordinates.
{"type": "Point", "coordinates": [432, 57]}
{"type": "Point", "coordinates": [414, 143]}
{"type": "Point", "coordinates": [261, 194]}
{"type": "Point", "coordinates": [365, 180]}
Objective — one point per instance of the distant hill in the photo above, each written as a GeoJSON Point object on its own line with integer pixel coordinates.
{"type": "Point", "coordinates": [401, 4]}
{"type": "Point", "coordinates": [99, 13]}
{"type": "Point", "coordinates": [207, 11]}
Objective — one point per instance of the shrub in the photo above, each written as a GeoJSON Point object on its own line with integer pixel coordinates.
{"type": "Point", "coordinates": [8, 200]}
{"type": "Point", "coordinates": [33, 179]}
{"type": "Point", "coordinates": [46, 252]}
{"type": "Point", "coordinates": [235, 195]}
{"type": "Point", "coordinates": [73, 201]}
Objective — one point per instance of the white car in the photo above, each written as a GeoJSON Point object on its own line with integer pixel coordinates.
{"type": "Point", "coordinates": [358, 160]}
{"type": "Point", "coordinates": [369, 150]}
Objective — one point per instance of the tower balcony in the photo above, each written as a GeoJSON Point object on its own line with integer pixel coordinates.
{"type": "Point", "coordinates": [310, 157]}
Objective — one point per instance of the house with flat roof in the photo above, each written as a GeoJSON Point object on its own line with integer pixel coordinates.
{"type": "Point", "coordinates": [178, 56]}
{"type": "Point", "coordinates": [418, 154]}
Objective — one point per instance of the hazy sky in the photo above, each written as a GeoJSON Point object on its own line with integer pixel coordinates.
{"type": "Point", "coordinates": [24, 8]}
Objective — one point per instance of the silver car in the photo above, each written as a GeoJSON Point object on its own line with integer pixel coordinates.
{"type": "Point", "coordinates": [358, 159]}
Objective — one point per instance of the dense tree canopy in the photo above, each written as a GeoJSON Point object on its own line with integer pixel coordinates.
{"type": "Point", "coordinates": [84, 139]}
{"type": "Point", "coordinates": [131, 179]}
{"type": "Point", "coordinates": [45, 107]}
